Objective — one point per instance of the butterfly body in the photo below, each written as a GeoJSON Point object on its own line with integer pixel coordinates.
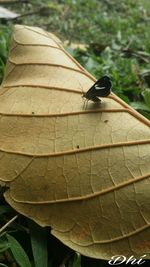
{"type": "Point", "coordinates": [101, 88]}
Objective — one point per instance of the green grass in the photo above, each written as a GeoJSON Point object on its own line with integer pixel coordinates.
{"type": "Point", "coordinates": [116, 38]}
{"type": "Point", "coordinates": [5, 33]}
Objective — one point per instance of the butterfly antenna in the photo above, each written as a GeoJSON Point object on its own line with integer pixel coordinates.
{"type": "Point", "coordinates": [85, 100]}
{"type": "Point", "coordinates": [80, 86]}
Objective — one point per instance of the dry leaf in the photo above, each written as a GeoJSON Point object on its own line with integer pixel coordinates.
{"type": "Point", "coordinates": [84, 172]}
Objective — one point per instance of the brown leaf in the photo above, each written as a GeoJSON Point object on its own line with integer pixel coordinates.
{"type": "Point", "coordinates": [83, 171]}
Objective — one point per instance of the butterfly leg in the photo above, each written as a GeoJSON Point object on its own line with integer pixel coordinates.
{"type": "Point", "coordinates": [85, 103]}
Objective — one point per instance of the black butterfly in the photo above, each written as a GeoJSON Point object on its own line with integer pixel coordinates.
{"type": "Point", "coordinates": [101, 88]}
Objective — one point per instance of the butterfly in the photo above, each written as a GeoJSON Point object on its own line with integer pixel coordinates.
{"type": "Point", "coordinates": [101, 88]}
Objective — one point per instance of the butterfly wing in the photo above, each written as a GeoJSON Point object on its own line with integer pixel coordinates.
{"type": "Point", "coordinates": [90, 93]}
{"type": "Point", "coordinates": [101, 88]}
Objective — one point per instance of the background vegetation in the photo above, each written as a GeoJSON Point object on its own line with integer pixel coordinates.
{"type": "Point", "coordinates": [106, 37]}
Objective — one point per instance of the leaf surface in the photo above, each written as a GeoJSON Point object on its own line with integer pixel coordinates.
{"type": "Point", "coordinates": [82, 169]}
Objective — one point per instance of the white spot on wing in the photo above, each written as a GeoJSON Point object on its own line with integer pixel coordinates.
{"type": "Point", "coordinates": [99, 88]}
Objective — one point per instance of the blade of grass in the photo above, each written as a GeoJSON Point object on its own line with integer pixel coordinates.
{"type": "Point", "coordinates": [18, 252]}
{"type": "Point", "coordinates": [38, 237]}
{"type": "Point", "coordinates": [76, 261]}
{"type": "Point", "coordinates": [4, 245]}
{"type": "Point", "coordinates": [8, 223]}
{"type": "Point", "coordinates": [3, 265]}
